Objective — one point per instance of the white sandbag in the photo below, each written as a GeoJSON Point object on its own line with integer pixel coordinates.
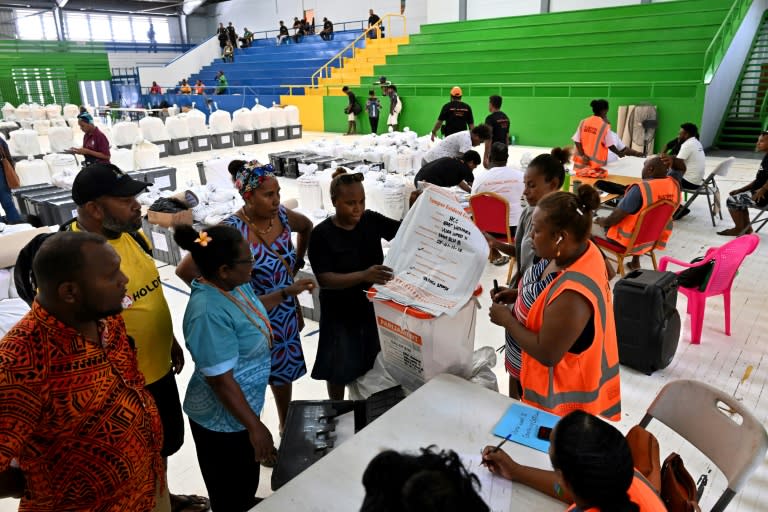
{"type": "Point", "coordinates": [220, 122]}
{"type": "Point", "coordinates": [177, 127]}
{"type": "Point", "coordinates": [152, 129]}
{"type": "Point", "coordinates": [9, 112]}
{"type": "Point", "coordinates": [24, 143]}
{"type": "Point", "coordinates": [73, 123]}
{"type": "Point", "coordinates": [241, 120]}
{"type": "Point", "coordinates": [196, 124]}
{"type": "Point", "coordinates": [41, 126]}
{"type": "Point", "coordinates": [123, 159]}
{"type": "Point", "coordinates": [279, 117]}
{"type": "Point", "coordinates": [26, 124]}
{"type": "Point", "coordinates": [310, 195]}
{"type": "Point", "coordinates": [71, 111]}
{"type": "Point", "coordinates": [37, 112]}
{"type": "Point", "coordinates": [217, 173]}
{"type": "Point", "coordinates": [146, 155]}
{"type": "Point", "coordinates": [258, 108]}
{"type": "Point", "coordinates": [60, 139]}
{"type": "Point", "coordinates": [59, 122]}
{"type": "Point", "coordinates": [262, 119]}
{"type": "Point", "coordinates": [126, 133]}
{"type": "Point", "coordinates": [391, 203]}
{"type": "Point", "coordinates": [325, 177]}
{"type": "Point", "coordinates": [374, 195]}
{"type": "Point", "coordinates": [33, 171]}
{"type": "Point", "coordinates": [292, 115]}
{"type": "Point", "coordinates": [53, 111]}
{"type": "Point", "coordinates": [61, 163]}
{"type": "Point", "coordinates": [22, 112]}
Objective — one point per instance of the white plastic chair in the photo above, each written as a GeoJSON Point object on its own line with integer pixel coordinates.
{"type": "Point", "coordinates": [691, 409]}
{"type": "Point", "coordinates": [709, 188]}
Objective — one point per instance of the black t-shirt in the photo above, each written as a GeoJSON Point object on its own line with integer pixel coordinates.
{"type": "Point", "coordinates": [762, 174]}
{"type": "Point", "coordinates": [445, 172]}
{"type": "Point", "coordinates": [328, 26]}
{"type": "Point", "coordinates": [352, 98]}
{"type": "Point", "coordinates": [283, 30]}
{"type": "Point", "coordinates": [457, 116]}
{"type": "Point", "coordinates": [499, 123]}
{"type": "Point", "coordinates": [373, 19]}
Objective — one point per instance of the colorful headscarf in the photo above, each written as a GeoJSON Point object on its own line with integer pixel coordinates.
{"type": "Point", "coordinates": [251, 176]}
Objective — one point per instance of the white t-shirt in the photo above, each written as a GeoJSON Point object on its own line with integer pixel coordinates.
{"type": "Point", "coordinates": [453, 145]}
{"type": "Point", "coordinates": [508, 183]}
{"type": "Point", "coordinates": [692, 153]}
{"type": "Point", "coordinates": [613, 140]}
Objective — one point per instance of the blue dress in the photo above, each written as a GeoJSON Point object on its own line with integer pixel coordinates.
{"type": "Point", "coordinates": [269, 274]}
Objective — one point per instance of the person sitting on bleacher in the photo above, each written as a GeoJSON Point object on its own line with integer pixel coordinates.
{"type": "Point", "coordinates": [247, 40]}
{"type": "Point", "coordinates": [185, 87]}
{"type": "Point", "coordinates": [229, 53]}
{"type": "Point", "coordinates": [327, 31]}
{"type": "Point", "coordinates": [753, 195]}
{"type": "Point", "coordinates": [283, 34]}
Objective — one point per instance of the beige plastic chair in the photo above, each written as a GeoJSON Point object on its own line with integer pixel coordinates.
{"type": "Point", "coordinates": [690, 408]}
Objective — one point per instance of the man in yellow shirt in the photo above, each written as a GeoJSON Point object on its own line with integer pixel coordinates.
{"type": "Point", "coordinates": [106, 204]}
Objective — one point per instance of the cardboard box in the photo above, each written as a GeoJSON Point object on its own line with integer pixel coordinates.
{"type": "Point", "coordinates": [168, 220]}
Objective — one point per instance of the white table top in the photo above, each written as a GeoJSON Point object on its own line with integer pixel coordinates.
{"type": "Point", "coordinates": [449, 412]}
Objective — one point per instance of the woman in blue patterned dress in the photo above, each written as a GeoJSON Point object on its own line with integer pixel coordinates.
{"type": "Point", "coordinates": [267, 226]}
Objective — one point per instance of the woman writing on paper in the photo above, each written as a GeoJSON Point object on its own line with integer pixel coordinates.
{"type": "Point", "coordinates": [593, 469]}
{"type": "Point", "coordinates": [563, 319]}
{"type": "Point", "coordinates": [346, 256]}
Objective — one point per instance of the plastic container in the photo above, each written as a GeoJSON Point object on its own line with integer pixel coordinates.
{"type": "Point", "coordinates": [220, 122]}
{"type": "Point", "coordinates": [417, 346]}
{"type": "Point", "coordinates": [279, 118]}
{"type": "Point", "coordinates": [310, 195]}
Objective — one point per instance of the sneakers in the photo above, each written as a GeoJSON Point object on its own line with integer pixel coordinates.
{"type": "Point", "coordinates": [680, 213]}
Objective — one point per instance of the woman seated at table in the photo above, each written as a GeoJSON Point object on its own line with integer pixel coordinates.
{"type": "Point", "coordinates": [227, 331]}
{"type": "Point", "coordinates": [346, 256]}
{"type": "Point", "coordinates": [593, 468]}
{"type": "Point", "coordinates": [544, 175]}
{"type": "Point", "coordinates": [429, 482]}
{"type": "Point", "coordinates": [563, 313]}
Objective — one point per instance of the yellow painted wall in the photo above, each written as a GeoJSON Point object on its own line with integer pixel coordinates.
{"type": "Point", "coordinates": [310, 111]}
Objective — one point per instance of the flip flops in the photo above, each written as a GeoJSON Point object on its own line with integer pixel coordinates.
{"type": "Point", "coordinates": [189, 503]}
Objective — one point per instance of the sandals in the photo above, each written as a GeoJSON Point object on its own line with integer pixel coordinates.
{"type": "Point", "coordinates": [500, 261]}
{"type": "Point", "coordinates": [189, 503]}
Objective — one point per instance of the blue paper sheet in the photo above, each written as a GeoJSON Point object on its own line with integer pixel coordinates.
{"type": "Point", "coordinates": [521, 423]}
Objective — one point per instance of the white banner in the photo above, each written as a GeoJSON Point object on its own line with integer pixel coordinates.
{"type": "Point", "coordinates": [438, 255]}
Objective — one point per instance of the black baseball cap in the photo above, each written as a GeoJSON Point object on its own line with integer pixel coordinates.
{"type": "Point", "coordinates": [102, 179]}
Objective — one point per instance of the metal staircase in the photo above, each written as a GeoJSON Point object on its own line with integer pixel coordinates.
{"type": "Point", "coordinates": [748, 109]}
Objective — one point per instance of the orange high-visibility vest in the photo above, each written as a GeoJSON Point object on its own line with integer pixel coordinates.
{"type": "Point", "coordinates": [641, 492]}
{"type": "Point", "coordinates": [588, 381]}
{"type": "Point", "coordinates": [652, 190]}
{"type": "Point", "coordinates": [593, 132]}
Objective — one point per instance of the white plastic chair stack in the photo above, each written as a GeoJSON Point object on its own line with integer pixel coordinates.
{"type": "Point", "coordinates": [53, 111]}
{"type": "Point", "coordinates": [33, 171]}
{"type": "Point", "coordinates": [146, 155]}
{"type": "Point", "coordinates": [152, 129]}
{"type": "Point", "coordinates": [292, 115]}
{"type": "Point", "coordinates": [71, 111]}
{"type": "Point", "coordinates": [220, 122]}
{"type": "Point", "coordinates": [24, 143]}
{"type": "Point", "coordinates": [126, 133]}
{"type": "Point", "coordinates": [60, 138]}
{"type": "Point", "coordinates": [9, 112]}
{"type": "Point", "coordinates": [242, 121]}
{"type": "Point", "coordinates": [123, 159]}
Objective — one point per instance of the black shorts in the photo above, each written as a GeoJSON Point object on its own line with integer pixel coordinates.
{"type": "Point", "coordinates": [166, 396]}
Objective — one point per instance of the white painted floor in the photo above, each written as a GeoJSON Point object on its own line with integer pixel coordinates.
{"type": "Point", "coordinates": [719, 360]}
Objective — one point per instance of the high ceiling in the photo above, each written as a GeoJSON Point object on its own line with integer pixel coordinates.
{"type": "Point", "coordinates": [148, 7]}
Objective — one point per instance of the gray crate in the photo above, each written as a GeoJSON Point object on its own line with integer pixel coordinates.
{"type": "Point", "coordinates": [222, 140]}
{"type": "Point", "coordinates": [163, 178]}
{"type": "Point", "coordinates": [62, 210]}
{"type": "Point", "coordinates": [201, 143]}
{"type": "Point", "coordinates": [280, 133]}
{"type": "Point", "coordinates": [19, 193]}
{"type": "Point", "coordinates": [163, 145]}
{"type": "Point", "coordinates": [33, 199]}
{"type": "Point", "coordinates": [243, 138]}
{"type": "Point", "coordinates": [263, 135]}
{"type": "Point", "coordinates": [164, 247]}
{"type": "Point", "coordinates": [181, 147]}
{"type": "Point", "coordinates": [45, 210]}
{"type": "Point", "coordinates": [312, 312]}
{"type": "Point", "coordinates": [295, 131]}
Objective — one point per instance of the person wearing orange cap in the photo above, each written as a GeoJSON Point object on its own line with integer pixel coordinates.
{"type": "Point", "coordinates": [456, 115]}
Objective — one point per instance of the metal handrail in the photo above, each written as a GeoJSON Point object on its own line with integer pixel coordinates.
{"type": "Point", "coordinates": [343, 24]}
{"type": "Point", "coordinates": [324, 70]}
{"type": "Point", "coordinates": [764, 112]}
{"type": "Point", "coordinates": [721, 40]}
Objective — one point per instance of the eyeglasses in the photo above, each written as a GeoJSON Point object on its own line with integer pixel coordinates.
{"type": "Point", "coordinates": [346, 179]}
{"type": "Point", "coordinates": [247, 260]}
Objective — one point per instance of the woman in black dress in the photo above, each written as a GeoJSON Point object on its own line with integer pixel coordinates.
{"type": "Point", "coordinates": [346, 257]}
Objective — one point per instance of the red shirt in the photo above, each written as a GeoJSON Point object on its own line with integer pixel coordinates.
{"type": "Point", "coordinates": [96, 141]}
{"type": "Point", "coordinates": [76, 416]}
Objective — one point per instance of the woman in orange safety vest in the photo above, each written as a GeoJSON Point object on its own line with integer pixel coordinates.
{"type": "Point", "coordinates": [591, 141]}
{"type": "Point", "coordinates": [570, 356]}
{"type": "Point", "coordinates": [593, 469]}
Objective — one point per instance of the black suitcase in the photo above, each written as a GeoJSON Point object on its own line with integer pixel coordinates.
{"type": "Point", "coordinates": [647, 321]}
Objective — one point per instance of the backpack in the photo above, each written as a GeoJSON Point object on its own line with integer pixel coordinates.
{"type": "Point", "coordinates": [645, 454]}
{"type": "Point", "coordinates": [356, 108]}
{"type": "Point", "coordinates": [24, 278]}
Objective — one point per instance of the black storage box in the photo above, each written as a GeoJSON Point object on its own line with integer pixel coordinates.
{"type": "Point", "coordinates": [243, 138]}
{"type": "Point", "coordinates": [181, 147]}
{"type": "Point", "coordinates": [221, 140]}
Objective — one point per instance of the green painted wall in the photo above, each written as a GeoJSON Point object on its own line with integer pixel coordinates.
{"type": "Point", "coordinates": [79, 63]}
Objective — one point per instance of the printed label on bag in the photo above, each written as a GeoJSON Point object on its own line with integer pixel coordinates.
{"type": "Point", "coordinates": [183, 145]}
{"type": "Point", "coordinates": [401, 347]}
{"type": "Point", "coordinates": [202, 142]}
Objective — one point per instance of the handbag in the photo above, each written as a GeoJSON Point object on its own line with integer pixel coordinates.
{"type": "Point", "coordinates": [678, 489]}
{"type": "Point", "coordinates": [11, 177]}
{"type": "Point", "coordinates": [645, 454]}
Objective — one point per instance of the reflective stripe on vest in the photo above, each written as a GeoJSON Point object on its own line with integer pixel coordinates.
{"type": "Point", "coordinates": [622, 232]}
{"type": "Point", "coordinates": [554, 399]}
{"type": "Point", "coordinates": [596, 146]}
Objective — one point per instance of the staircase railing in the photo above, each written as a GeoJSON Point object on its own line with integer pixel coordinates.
{"type": "Point", "coordinates": [723, 37]}
{"type": "Point", "coordinates": [325, 70]}
{"type": "Point", "coordinates": [764, 112]}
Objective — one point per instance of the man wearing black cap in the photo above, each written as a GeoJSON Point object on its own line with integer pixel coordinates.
{"type": "Point", "coordinates": [107, 205]}
{"type": "Point", "coordinates": [95, 144]}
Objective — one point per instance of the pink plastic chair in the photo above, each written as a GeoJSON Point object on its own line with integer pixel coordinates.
{"type": "Point", "coordinates": [727, 260]}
